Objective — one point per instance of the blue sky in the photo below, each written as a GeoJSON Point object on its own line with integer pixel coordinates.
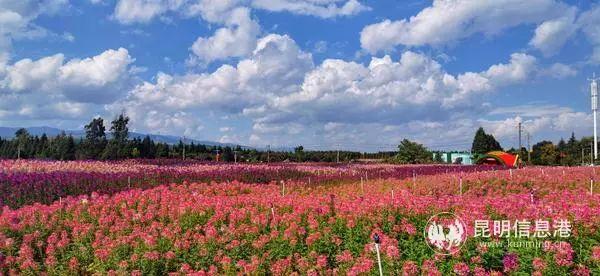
{"type": "Point", "coordinates": [322, 73]}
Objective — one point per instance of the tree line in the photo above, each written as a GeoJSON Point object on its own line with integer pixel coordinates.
{"type": "Point", "coordinates": [97, 145]}
{"type": "Point", "coordinates": [573, 152]}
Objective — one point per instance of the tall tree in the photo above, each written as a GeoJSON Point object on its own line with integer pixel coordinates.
{"type": "Point", "coordinates": [299, 153]}
{"type": "Point", "coordinates": [22, 138]}
{"type": "Point", "coordinates": [413, 153]}
{"type": "Point", "coordinates": [484, 143]}
{"type": "Point", "coordinates": [95, 139]}
{"type": "Point", "coordinates": [117, 147]}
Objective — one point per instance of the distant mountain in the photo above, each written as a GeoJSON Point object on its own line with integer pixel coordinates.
{"type": "Point", "coordinates": [9, 132]}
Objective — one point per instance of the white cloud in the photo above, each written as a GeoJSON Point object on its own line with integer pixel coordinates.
{"type": "Point", "coordinates": [551, 35]}
{"type": "Point", "coordinates": [142, 11]}
{"type": "Point", "coordinates": [16, 19]}
{"type": "Point", "coordinates": [320, 8]}
{"type": "Point", "coordinates": [68, 37]}
{"type": "Point", "coordinates": [83, 80]}
{"type": "Point", "coordinates": [447, 21]}
{"type": "Point", "coordinates": [414, 88]}
{"type": "Point", "coordinates": [547, 126]}
{"type": "Point", "coordinates": [276, 66]}
{"type": "Point", "coordinates": [531, 110]}
{"type": "Point", "coordinates": [52, 87]}
{"type": "Point", "coordinates": [519, 68]}
{"type": "Point", "coordinates": [590, 22]}
{"type": "Point", "coordinates": [237, 39]}
{"type": "Point", "coordinates": [283, 96]}
{"type": "Point", "coordinates": [97, 71]}
{"type": "Point", "coordinates": [559, 71]}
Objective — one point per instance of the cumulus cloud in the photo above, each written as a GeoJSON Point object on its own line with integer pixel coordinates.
{"type": "Point", "coordinates": [237, 39]}
{"type": "Point", "coordinates": [82, 80]}
{"type": "Point", "coordinates": [276, 66]}
{"type": "Point", "coordinates": [142, 11]}
{"type": "Point", "coordinates": [52, 87]}
{"type": "Point", "coordinates": [239, 33]}
{"type": "Point", "coordinates": [446, 22]}
{"type": "Point", "coordinates": [413, 88]}
{"type": "Point", "coordinates": [281, 92]}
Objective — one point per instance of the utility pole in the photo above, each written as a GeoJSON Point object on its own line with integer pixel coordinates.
{"type": "Point", "coordinates": [594, 92]}
{"type": "Point", "coordinates": [528, 149]}
{"type": "Point", "coordinates": [268, 153]}
{"type": "Point", "coordinates": [183, 147]}
{"type": "Point", "coordinates": [338, 153]}
{"type": "Point", "coordinates": [520, 130]}
{"type": "Point", "coordinates": [235, 156]}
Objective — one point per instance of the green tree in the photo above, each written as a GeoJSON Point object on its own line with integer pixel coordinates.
{"type": "Point", "coordinates": [299, 153]}
{"type": "Point", "coordinates": [549, 154]}
{"type": "Point", "coordinates": [22, 138]}
{"type": "Point", "coordinates": [413, 153]}
{"type": "Point", "coordinates": [438, 158]}
{"type": "Point", "coordinates": [95, 139]}
{"type": "Point", "coordinates": [117, 147]}
{"type": "Point", "coordinates": [62, 147]}
{"type": "Point", "coordinates": [484, 143]}
{"type": "Point", "coordinates": [147, 148]}
{"type": "Point", "coordinates": [544, 153]}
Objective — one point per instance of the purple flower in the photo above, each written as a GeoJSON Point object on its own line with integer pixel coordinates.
{"type": "Point", "coordinates": [511, 262]}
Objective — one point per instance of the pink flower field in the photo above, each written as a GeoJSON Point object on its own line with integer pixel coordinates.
{"type": "Point", "coordinates": [156, 218]}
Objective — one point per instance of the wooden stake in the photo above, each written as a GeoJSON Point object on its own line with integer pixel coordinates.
{"type": "Point", "coordinates": [362, 186]}
{"type": "Point", "coordinates": [378, 259]}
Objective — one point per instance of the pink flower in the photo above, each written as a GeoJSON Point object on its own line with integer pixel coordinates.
{"type": "Point", "coordinates": [322, 261]}
{"type": "Point", "coordinates": [510, 262]}
{"type": "Point", "coordinates": [344, 257]}
{"type": "Point", "coordinates": [392, 251]}
{"type": "Point", "coordinates": [170, 255]}
{"type": "Point", "coordinates": [581, 270]}
{"type": "Point", "coordinates": [596, 253]}
{"type": "Point", "coordinates": [280, 267]}
{"type": "Point", "coordinates": [73, 264]}
{"type": "Point", "coordinates": [461, 269]}
{"type": "Point", "coordinates": [480, 271]}
{"type": "Point", "coordinates": [409, 268]}
{"type": "Point", "coordinates": [538, 264]}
